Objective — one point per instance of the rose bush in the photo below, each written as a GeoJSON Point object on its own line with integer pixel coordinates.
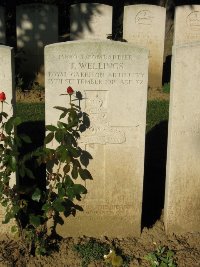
{"type": "Point", "coordinates": [64, 164]}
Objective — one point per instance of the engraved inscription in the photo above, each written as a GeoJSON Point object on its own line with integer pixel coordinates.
{"type": "Point", "coordinates": [107, 210]}
{"type": "Point", "coordinates": [193, 20]}
{"type": "Point", "coordinates": [144, 17]}
{"type": "Point", "coordinates": [100, 131]}
{"type": "Point", "coordinates": [107, 70]}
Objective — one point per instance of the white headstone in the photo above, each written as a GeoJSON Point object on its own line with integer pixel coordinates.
{"type": "Point", "coordinates": [90, 21]}
{"type": "Point", "coordinates": [144, 25]}
{"type": "Point", "coordinates": [37, 26]}
{"type": "Point", "coordinates": [187, 24]}
{"type": "Point", "coordinates": [182, 198]}
{"type": "Point", "coordinates": [112, 76]}
{"type": "Point", "coordinates": [7, 86]}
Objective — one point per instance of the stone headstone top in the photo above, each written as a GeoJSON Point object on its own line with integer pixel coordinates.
{"type": "Point", "coordinates": [90, 21]}
{"type": "Point", "coordinates": [187, 24]}
{"type": "Point", "coordinates": [144, 25]}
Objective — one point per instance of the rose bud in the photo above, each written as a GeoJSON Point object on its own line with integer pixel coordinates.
{"type": "Point", "coordinates": [70, 91]}
{"type": "Point", "coordinates": [2, 96]}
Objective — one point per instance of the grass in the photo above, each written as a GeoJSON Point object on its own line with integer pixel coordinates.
{"type": "Point", "coordinates": [157, 111]}
{"type": "Point", "coordinates": [31, 111]}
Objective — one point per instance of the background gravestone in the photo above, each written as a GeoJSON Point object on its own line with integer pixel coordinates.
{"type": "Point", "coordinates": [144, 25]}
{"type": "Point", "coordinates": [90, 21]}
{"type": "Point", "coordinates": [7, 86]}
{"type": "Point", "coordinates": [187, 24]}
{"type": "Point", "coordinates": [182, 199]}
{"type": "Point", "coordinates": [37, 26]}
{"type": "Point", "coordinates": [2, 25]}
{"type": "Point", "coordinates": [112, 77]}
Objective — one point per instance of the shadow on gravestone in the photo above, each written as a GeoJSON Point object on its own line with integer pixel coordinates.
{"type": "Point", "coordinates": [154, 174]}
{"type": "Point", "coordinates": [37, 26]}
{"type": "Point", "coordinates": [90, 20]}
{"type": "Point", "coordinates": [36, 131]}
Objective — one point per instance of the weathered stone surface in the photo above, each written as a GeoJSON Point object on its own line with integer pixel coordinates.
{"type": "Point", "coordinates": [7, 86]}
{"type": "Point", "coordinates": [112, 76]}
{"type": "Point", "coordinates": [187, 24]}
{"type": "Point", "coordinates": [144, 25]}
{"type": "Point", "coordinates": [37, 26]}
{"type": "Point", "coordinates": [90, 21]}
{"type": "Point", "coordinates": [182, 198]}
{"type": "Point", "coordinates": [2, 26]}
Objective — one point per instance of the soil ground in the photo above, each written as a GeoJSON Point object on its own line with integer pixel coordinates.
{"type": "Point", "coordinates": [186, 247]}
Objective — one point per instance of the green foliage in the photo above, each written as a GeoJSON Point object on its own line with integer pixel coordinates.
{"type": "Point", "coordinates": [162, 257]}
{"type": "Point", "coordinates": [166, 88]}
{"type": "Point", "coordinates": [91, 251]}
{"type": "Point", "coordinates": [30, 111]}
{"type": "Point", "coordinates": [157, 111]}
{"type": "Point", "coordinates": [94, 250]}
{"type": "Point", "coordinates": [65, 163]}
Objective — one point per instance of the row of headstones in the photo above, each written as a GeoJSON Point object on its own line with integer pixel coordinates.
{"type": "Point", "coordinates": [144, 25]}
{"type": "Point", "coordinates": [113, 78]}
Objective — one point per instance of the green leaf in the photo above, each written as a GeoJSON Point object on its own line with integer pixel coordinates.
{"type": "Point", "coordinates": [60, 125]}
{"type": "Point", "coordinates": [70, 193]}
{"type": "Point", "coordinates": [29, 173]}
{"type": "Point", "coordinates": [68, 181]}
{"type": "Point", "coordinates": [8, 217]}
{"type": "Point", "coordinates": [64, 156]}
{"type": "Point", "coordinates": [85, 158]}
{"type": "Point", "coordinates": [62, 115]}
{"type": "Point", "coordinates": [46, 207]}
{"type": "Point", "coordinates": [79, 189]}
{"type": "Point", "coordinates": [13, 163]}
{"type": "Point", "coordinates": [85, 174]}
{"type": "Point", "coordinates": [17, 121]}
{"type": "Point", "coordinates": [35, 220]}
{"type": "Point", "coordinates": [66, 168]}
{"type": "Point", "coordinates": [51, 128]}
{"type": "Point", "coordinates": [59, 135]}
{"type": "Point", "coordinates": [36, 196]}
{"type": "Point", "coordinates": [4, 114]}
{"type": "Point", "coordinates": [163, 264]}
{"type": "Point", "coordinates": [74, 172]}
{"type": "Point", "coordinates": [61, 192]}
{"type": "Point", "coordinates": [48, 138]}
{"type": "Point", "coordinates": [9, 125]}
{"type": "Point", "coordinates": [170, 253]}
{"type": "Point", "coordinates": [22, 171]}
{"type": "Point", "coordinates": [26, 138]}
{"type": "Point", "coordinates": [57, 204]}
{"type": "Point", "coordinates": [75, 152]}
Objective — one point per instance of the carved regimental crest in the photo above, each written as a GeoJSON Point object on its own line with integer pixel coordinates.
{"type": "Point", "coordinates": [193, 20]}
{"type": "Point", "coordinates": [144, 17]}
{"type": "Point", "coordinates": [100, 130]}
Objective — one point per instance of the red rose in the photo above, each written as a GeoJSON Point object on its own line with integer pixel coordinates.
{"type": "Point", "coordinates": [70, 91]}
{"type": "Point", "coordinates": [2, 97]}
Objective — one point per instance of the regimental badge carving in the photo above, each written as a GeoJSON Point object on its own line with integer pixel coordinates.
{"type": "Point", "coordinates": [144, 17]}
{"type": "Point", "coordinates": [193, 20]}
{"type": "Point", "coordinates": [100, 130]}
